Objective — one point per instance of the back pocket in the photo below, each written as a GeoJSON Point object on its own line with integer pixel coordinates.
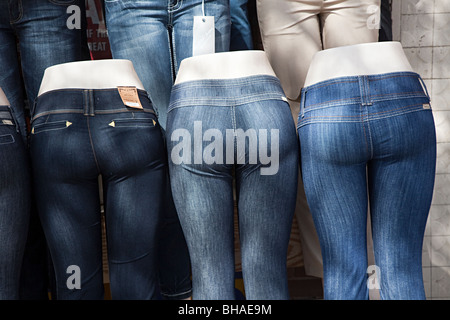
{"type": "Point", "coordinates": [50, 126]}
{"type": "Point", "coordinates": [133, 123]}
{"type": "Point", "coordinates": [7, 139]}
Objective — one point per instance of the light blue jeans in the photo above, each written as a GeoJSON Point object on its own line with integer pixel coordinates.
{"type": "Point", "coordinates": [238, 127]}
{"type": "Point", "coordinates": [369, 140]}
{"type": "Point", "coordinates": [156, 35]}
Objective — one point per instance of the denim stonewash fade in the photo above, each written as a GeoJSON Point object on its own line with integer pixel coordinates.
{"type": "Point", "coordinates": [157, 35]}
{"type": "Point", "coordinates": [234, 115]}
{"type": "Point", "coordinates": [369, 140]}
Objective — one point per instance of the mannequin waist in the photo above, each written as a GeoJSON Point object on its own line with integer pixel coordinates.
{"type": "Point", "coordinates": [3, 100]}
{"type": "Point", "coordinates": [361, 59]}
{"type": "Point", "coordinates": [224, 65]}
{"type": "Point", "coordinates": [98, 74]}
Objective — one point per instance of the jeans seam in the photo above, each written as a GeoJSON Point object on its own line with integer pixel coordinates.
{"type": "Point", "coordinates": [20, 14]}
{"type": "Point", "coordinates": [356, 119]}
{"type": "Point", "coordinates": [92, 146]}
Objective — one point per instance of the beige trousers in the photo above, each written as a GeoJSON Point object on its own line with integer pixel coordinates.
{"type": "Point", "coordinates": [292, 31]}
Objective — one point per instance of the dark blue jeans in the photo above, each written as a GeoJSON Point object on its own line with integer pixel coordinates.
{"type": "Point", "coordinates": [15, 203]}
{"type": "Point", "coordinates": [369, 140]}
{"type": "Point", "coordinates": [76, 136]}
{"type": "Point", "coordinates": [40, 27]}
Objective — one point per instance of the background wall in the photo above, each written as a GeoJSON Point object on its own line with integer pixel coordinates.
{"type": "Point", "coordinates": [423, 28]}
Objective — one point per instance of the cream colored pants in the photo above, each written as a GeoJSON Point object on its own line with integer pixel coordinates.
{"type": "Point", "coordinates": [292, 31]}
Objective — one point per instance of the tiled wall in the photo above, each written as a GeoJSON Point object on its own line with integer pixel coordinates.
{"type": "Point", "coordinates": [423, 28]}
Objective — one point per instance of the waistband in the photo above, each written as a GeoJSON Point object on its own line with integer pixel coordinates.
{"type": "Point", "coordinates": [89, 102]}
{"type": "Point", "coordinates": [5, 113]}
{"type": "Point", "coordinates": [364, 90]}
{"type": "Point", "coordinates": [226, 92]}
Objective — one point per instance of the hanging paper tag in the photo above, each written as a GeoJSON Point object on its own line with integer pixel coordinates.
{"type": "Point", "coordinates": [203, 37]}
{"type": "Point", "coordinates": [130, 97]}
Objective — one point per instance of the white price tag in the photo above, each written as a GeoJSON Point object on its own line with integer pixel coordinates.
{"type": "Point", "coordinates": [203, 37]}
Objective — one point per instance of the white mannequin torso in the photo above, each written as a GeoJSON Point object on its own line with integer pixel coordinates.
{"type": "Point", "coordinates": [3, 100]}
{"type": "Point", "coordinates": [98, 74]}
{"type": "Point", "coordinates": [224, 65]}
{"type": "Point", "coordinates": [361, 59]}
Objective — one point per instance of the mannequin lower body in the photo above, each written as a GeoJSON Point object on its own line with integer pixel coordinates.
{"type": "Point", "coordinates": [220, 104]}
{"type": "Point", "coordinates": [81, 129]}
{"type": "Point", "coordinates": [39, 29]}
{"type": "Point", "coordinates": [15, 201]}
{"type": "Point", "coordinates": [292, 32]}
{"type": "Point", "coordinates": [368, 141]}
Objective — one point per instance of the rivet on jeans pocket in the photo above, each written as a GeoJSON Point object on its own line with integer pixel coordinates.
{"type": "Point", "coordinates": [426, 106]}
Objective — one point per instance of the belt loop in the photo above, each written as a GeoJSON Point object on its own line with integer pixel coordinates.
{"type": "Point", "coordinates": [91, 103]}
{"type": "Point", "coordinates": [88, 102]}
{"type": "Point", "coordinates": [13, 118]}
{"type": "Point", "coordinates": [85, 102]}
{"type": "Point", "coordinates": [424, 87]}
{"type": "Point", "coordinates": [364, 90]}
{"type": "Point", "coordinates": [302, 102]}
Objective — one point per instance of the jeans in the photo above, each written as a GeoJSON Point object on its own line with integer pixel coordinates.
{"type": "Point", "coordinates": [369, 142]}
{"type": "Point", "coordinates": [44, 39]}
{"type": "Point", "coordinates": [77, 135]}
{"type": "Point", "coordinates": [156, 35]}
{"type": "Point", "coordinates": [40, 26]}
{"type": "Point", "coordinates": [241, 31]}
{"type": "Point", "coordinates": [14, 204]}
{"type": "Point", "coordinates": [239, 127]}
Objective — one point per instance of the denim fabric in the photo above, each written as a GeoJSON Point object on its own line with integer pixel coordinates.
{"type": "Point", "coordinates": [14, 204]}
{"type": "Point", "coordinates": [369, 139]}
{"type": "Point", "coordinates": [241, 31]}
{"type": "Point", "coordinates": [224, 128]}
{"type": "Point", "coordinates": [40, 26]}
{"type": "Point", "coordinates": [78, 135]}
{"type": "Point", "coordinates": [156, 35]}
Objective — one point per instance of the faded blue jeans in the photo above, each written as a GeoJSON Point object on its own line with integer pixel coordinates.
{"type": "Point", "coordinates": [157, 35]}
{"type": "Point", "coordinates": [219, 129]}
{"type": "Point", "coordinates": [77, 135]}
{"type": "Point", "coordinates": [15, 203]}
{"type": "Point", "coordinates": [369, 140]}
